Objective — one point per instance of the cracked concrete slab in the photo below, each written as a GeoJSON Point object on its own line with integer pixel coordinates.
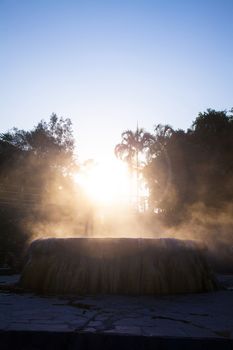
{"type": "Point", "coordinates": [200, 316]}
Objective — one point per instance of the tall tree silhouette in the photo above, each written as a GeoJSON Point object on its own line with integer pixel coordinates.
{"type": "Point", "coordinates": [133, 150]}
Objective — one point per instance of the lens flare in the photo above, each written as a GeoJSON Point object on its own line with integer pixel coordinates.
{"type": "Point", "coordinates": [105, 182]}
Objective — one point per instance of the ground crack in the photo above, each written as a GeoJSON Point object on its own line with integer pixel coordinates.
{"type": "Point", "coordinates": [81, 328]}
{"type": "Point", "coordinates": [180, 320]}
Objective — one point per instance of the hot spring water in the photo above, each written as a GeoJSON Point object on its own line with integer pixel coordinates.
{"type": "Point", "coordinates": [128, 266]}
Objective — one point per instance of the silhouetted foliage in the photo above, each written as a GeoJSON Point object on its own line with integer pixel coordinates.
{"type": "Point", "coordinates": [34, 167]}
{"type": "Point", "coordinates": [192, 167]}
{"type": "Point", "coordinates": [182, 169]}
{"type": "Point", "coordinates": [132, 146]}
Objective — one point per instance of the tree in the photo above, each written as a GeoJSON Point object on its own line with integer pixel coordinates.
{"type": "Point", "coordinates": [162, 134]}
{"type": "Point", "coordinates": [132, 146]}
{"type": "Point", "coordinates": [157, 171]}
{"type": "Point", "coordinates": [133, 150]}
{"type": "Point", "coordinates": [34, 166]}
{"type": "Point", "coordinates": [192, 167]}
{"type": "Point", "coordinates": [52, 140]}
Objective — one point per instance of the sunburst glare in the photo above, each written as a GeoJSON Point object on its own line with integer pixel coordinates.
{"type": "Point", "coordinates": [105, 182]}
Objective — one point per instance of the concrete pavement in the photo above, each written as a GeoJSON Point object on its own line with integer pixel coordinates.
{"type": "Point", "coordinates": [195, 318]}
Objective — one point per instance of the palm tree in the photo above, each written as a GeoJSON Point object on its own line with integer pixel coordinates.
{"type": "Point", "coordinates": [132, 149]}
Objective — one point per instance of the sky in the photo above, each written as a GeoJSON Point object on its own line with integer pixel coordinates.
{"type": "Point", "coordinates": [110, 64]}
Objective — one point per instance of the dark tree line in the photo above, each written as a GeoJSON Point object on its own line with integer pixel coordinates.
{"type": "Point", "coordinates": [183, 168]}
{"type": "Point", "coordinates": [34, 166]}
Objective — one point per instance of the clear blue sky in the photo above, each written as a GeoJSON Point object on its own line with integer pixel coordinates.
{"type": "Point", "coordinates": [107, 64]}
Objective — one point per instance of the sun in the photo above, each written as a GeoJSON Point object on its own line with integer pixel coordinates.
{"type": "Point", "coordinates": [105, 182]}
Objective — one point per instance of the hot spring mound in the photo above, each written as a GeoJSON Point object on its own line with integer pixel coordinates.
{"type": "Point", "coordinates": [116, 266]}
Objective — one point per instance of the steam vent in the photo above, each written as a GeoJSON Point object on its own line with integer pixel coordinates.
{"type": "Point", "coordinates": [116, 266]}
